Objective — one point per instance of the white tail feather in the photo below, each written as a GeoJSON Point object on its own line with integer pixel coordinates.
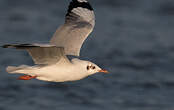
{"type": "Point", "coordinates": [14, 69]}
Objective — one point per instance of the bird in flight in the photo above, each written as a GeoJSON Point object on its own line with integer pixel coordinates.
{"type": "Point", "coordinates": [52, 63]}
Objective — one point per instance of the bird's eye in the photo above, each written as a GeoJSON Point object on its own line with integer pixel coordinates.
{"type": "Point", "coordinates": [93, 67]}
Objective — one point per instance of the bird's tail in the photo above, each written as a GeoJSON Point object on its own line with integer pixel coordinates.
{"type": "Point", "coordinates": [19, 69]}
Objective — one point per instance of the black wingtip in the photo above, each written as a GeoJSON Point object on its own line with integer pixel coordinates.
{"type": "Point", "coordinates": [5, 46]}
{"type": "Point", "coordinates": [76, 4]}
{"type": "Point", "coordinates": [20, 46]}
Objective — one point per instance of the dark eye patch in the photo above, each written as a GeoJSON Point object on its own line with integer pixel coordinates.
{"type": "Point", "coordinates": [88, 67]}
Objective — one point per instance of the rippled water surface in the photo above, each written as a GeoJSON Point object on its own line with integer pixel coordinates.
{"type": "Point", "coordinates": [132, 39]}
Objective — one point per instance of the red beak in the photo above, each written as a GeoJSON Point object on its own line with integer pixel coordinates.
{"type": "Point", "coordinates": [103, 71]}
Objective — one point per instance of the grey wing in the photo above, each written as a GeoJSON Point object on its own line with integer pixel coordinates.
{"type": "Point", "coordinates": [42, 54]}
{"type": "Point", "coordinates": [79, 23]}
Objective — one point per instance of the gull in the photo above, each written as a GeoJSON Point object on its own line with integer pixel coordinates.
{"type": "Point", "coordinates": [51, 61]}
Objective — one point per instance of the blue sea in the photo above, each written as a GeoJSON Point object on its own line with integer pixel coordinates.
{"type": "Point", "coordinates": [133, 40]}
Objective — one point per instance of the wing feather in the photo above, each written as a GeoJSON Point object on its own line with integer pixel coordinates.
{"type": "Point", "coordinates": [79, 23]}
{"type": "Point", "coordinates": [42, 54]}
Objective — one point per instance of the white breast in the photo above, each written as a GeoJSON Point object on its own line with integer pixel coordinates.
{"type": "Point", "coordinates": [60, 73]}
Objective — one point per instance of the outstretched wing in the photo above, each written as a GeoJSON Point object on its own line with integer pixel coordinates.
{"type": "Point", "coordinates": [79, 23]}
{"type": "Point", "coordinates": [42, 54]}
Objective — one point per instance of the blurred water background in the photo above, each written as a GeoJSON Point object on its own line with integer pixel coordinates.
{"type": "Point", "coordinates": [132, 39]}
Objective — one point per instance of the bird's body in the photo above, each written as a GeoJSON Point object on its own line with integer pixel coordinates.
{"type": "Point", "coordinates": [60, 72]}
{"type": "Point", "coordinates": [51, 59]}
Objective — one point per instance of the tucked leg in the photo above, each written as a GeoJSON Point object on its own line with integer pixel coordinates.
{"type": "Point", "coordinates": [26, 77]}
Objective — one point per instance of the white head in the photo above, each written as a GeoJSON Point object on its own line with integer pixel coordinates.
{"type": "Point", "coordinates": [88, 67]}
